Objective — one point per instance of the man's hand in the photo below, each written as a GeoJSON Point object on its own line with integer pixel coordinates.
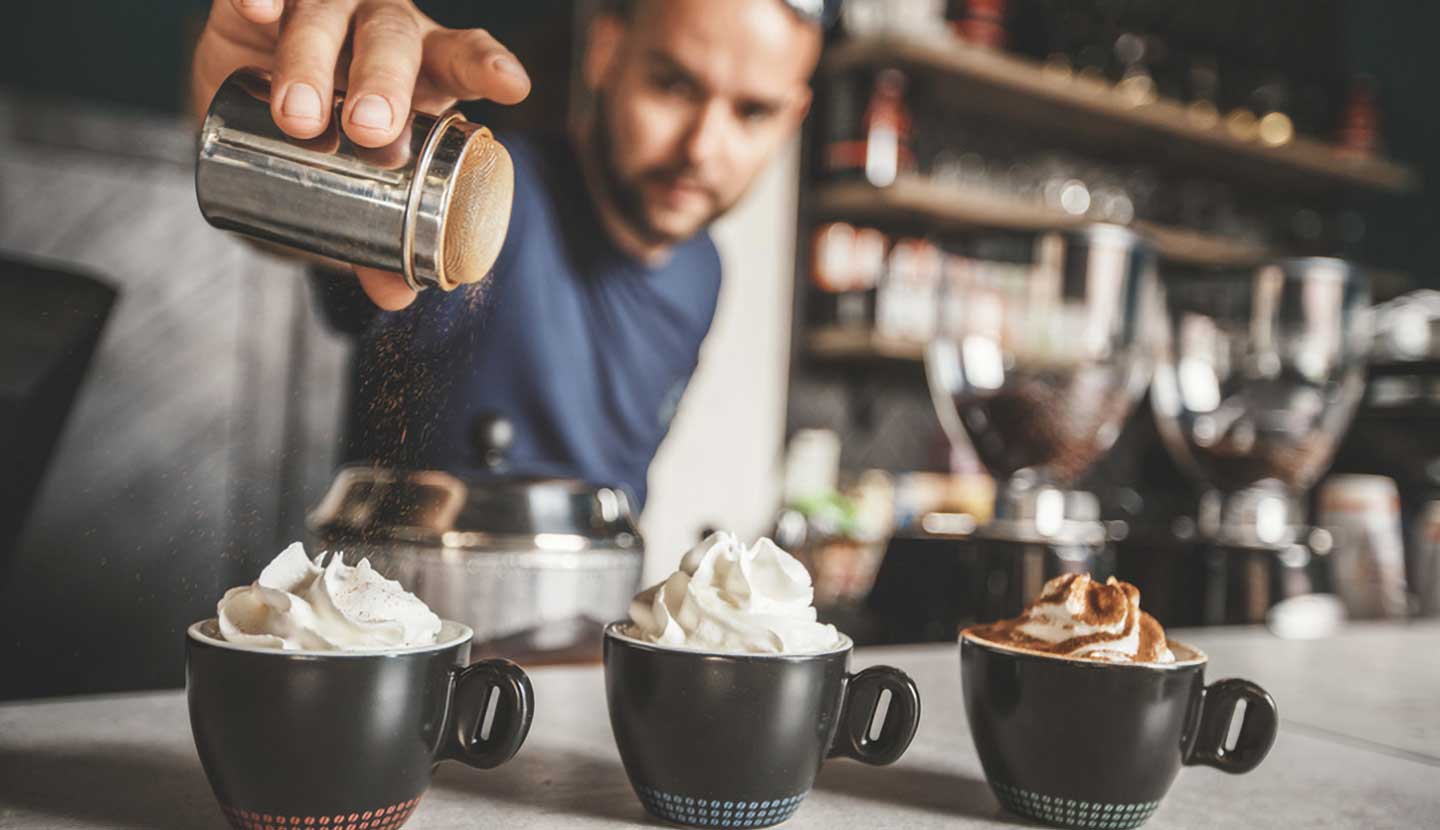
{"type": "Point", "coordinates": [389, 57]}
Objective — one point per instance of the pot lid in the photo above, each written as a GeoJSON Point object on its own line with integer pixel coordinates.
{"type": "Point", "coordinates": [373, 503]}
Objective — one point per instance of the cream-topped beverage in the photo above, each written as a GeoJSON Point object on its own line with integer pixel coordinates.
{"type": "Point", "coordinates": [733, 598]}
{"type": "Point", "coordinates": [1075, 616]}
{"type": "Point", "coordinates": [1082, 712]}
{"type": "Point", "coordinates": [726, 694]}
{"type": "Point", "coordinates": [325, 691]}
{"type": "Point", "coordinates": [319, 605]}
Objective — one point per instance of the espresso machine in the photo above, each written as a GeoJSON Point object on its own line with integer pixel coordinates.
{"type": "Point", "coordinates": [1259, 372]}
{"type": "Point", "coordinates": [1038, 374]}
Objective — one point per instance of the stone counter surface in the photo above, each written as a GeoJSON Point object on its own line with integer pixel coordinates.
{"type": "Point", "coordinates": [1359, 746]}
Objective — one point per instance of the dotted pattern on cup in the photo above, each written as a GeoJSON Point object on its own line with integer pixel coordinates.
{"type": "Point", "coordinates": [702, 812]}
{"type": "Point", "coordinates": [1070, 812]}
{"type": "Point", "coordinates": [390, 817]}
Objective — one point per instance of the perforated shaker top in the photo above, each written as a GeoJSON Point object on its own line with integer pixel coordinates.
{"type": "Point", "coordinates": [478, 215]}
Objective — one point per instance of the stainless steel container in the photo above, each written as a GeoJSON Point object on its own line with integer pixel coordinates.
{"type": "Point", "coordinates": [537, 566]}
{"type": "Point", "coordinates": [433, 205]}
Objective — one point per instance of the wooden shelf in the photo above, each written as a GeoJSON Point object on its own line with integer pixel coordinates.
{"type": "Point", "coordinates": [1183, 245]}
{"type": "Point", "coordinates": [919, 200]}
{"type": "Point", "coordinates": [838, 343]}
{"type": "Point", "coordinates": [1094, 114]}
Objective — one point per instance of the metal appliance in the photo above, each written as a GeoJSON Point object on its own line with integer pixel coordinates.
{"type": "Point", "coordinates": [537, 566]}
{"type": "Point", "coordinates": [1038, 374]}
{"type": "Point", "coordinates": [1260, 371]}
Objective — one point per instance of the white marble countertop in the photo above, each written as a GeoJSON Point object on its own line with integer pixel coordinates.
{"type": "Point", "coordinates": [1359, 746]}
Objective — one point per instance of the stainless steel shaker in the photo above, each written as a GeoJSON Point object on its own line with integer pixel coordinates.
{"type": "Point", "coordinates": [434, 205]}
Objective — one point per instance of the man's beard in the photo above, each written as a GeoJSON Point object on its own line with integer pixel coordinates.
{"type": "Point", "coordinates": [628, 196]}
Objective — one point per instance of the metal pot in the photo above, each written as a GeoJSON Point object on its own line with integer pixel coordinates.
{"type": "Point", "coordinates": [537, 566]}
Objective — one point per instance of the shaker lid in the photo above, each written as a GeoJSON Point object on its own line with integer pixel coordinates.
{"type": "Point", "coordinates": [459, 207]}
{"type": "Point", "coordinates": [373, 503]}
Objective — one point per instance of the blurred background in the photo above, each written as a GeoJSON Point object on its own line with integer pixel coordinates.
{"type": "Point", "coordinates": [170, 410]}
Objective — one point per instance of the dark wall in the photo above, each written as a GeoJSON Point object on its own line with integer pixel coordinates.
{"type": "Point", "coordinates": [205, 425]}
{"type": "Point", "coordinates": [134, 54]}
{"type": "Point", "coordinates": [1394, 40]}
{"type": "Point", "coordinates": [138, 54]}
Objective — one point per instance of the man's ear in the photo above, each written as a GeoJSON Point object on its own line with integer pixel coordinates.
{"type": "Point", "coordinates": [801, 107]}
{"type": "Point", "coordinates": [603, 43]}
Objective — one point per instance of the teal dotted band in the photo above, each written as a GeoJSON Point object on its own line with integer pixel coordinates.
{"type": "Point", "coordinates": [701, 812]}
{"type": "Point", "coordinates": [1069, 812]}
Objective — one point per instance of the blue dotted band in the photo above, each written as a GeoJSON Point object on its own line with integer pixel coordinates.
{"type": "Point", "coordinates": [702, 812]}
{"type": "Point", "coordinates": [1069, 812]}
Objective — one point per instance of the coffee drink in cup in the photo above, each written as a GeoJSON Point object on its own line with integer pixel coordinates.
{"type": "Point", "coordinates": [1075, 616]}
{"type": "Point", "coordinates": [323, 695]}
{"type": "Point", "coordinates": [726, 696]}
{"type": "Point", "coordinates": [1083, 712]}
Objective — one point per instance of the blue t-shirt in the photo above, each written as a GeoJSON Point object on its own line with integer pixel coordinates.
{"type": "Point", "coordinates": [584, 349]}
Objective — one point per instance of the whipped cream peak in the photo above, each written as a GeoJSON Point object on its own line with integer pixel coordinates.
{"type": "Point", "coordinates": [314, 605]}
{"type": "Point", "coordinates": [732, 598]}
{"type": "Point", "coordinates": [1076, 616]}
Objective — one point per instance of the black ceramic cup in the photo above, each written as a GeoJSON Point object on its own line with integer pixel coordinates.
{"type": "Point", "coordinates": [333, 740]}
{"type": "Point", "coordinates": [736, 740]}
{"type": "Point", "coordinates": [1080, 743]}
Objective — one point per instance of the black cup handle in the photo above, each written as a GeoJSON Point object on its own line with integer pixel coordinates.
{"type": "Point", "coordinates": [470, 690]}
{"type": "Point", "coordinates": [1257, 730]}
{"type": "Point", "coordinates": [902, 718]}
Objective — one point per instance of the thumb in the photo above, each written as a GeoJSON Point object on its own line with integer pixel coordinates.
{"type": "Point", "coordinates": [259, 11]}
{"type": "Point", "coordinates": [385, 289]}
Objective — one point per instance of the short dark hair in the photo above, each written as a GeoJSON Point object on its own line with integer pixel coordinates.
{"type": "Point", "coordinates": [625, 9]}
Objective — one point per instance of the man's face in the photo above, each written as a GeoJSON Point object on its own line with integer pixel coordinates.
{"type": "Point", "coordinates": [692, 98]}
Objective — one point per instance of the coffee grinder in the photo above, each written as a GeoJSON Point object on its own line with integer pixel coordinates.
{"type": "Point", "coordinates": [1038, 371]}
{"type": "Point", "coordinates": [1260, 370]}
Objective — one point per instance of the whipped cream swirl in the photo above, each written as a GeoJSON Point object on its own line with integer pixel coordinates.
{"type": "Point", "coordinates": [298, 603]}
{"type": "Point", "coordinates": [731, 598]}
{"type": "Point", "coordinates": [1076, 616]}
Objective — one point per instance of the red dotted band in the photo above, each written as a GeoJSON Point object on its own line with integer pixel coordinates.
{"type": "Point", "coordinates": [384, 818]}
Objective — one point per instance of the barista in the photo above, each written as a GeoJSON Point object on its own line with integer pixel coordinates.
{"type": "Point", "coordinates": [589, 328]}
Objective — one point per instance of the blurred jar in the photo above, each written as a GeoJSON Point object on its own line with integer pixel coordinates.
{"type": "Point", "coordinates": [981, 22]}
{"type": "Point", "coordinates": [862, 18]}
{"type": "Point", "coordinates": [1426, 559]}
{"type": "Point", "coordinates": [1367, 565]}
{"type": "Point", "coordinates": [908, 296]}
{"type": "Point", "coordinates": [840, 536]}
{"type": "Point", "coordinates": [846, 265]}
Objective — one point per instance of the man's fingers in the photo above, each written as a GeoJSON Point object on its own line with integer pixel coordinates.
{"type": "Point", "coordinates": [469, 64]}
{"type": "Point", "coordinates": [429, 98]}
{"type": "Point", "coordinates": [259, 11]}
{"type": "Point", "coordinates": [385, 289]}
{"type": "Point", "coordinates": [311, 37]}
{"type": "Point", "coordinates": [386, 62]}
